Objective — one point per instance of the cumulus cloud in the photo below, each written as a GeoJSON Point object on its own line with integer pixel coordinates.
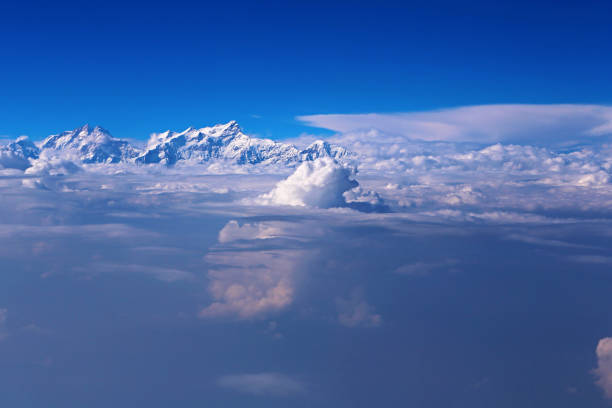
{"type": "Point", "coordinates": [356, 312]}
{"type": "Point", "coordinates": [603, 372]}
{"type": "Point", "coordinates": [248, 281]}
{"type": "Point", "coordinates": [250, 284]}
{"type": "Point", "coordinates": [323, 183]}
{"type": "Point", "coordinates": [484, 123]}
{"type": "Point", "coordinates": [267, 383]}
{"type": "Point", "coordinates": [320, 183]}
{"type": "Point", "coordinates": [54, 164]}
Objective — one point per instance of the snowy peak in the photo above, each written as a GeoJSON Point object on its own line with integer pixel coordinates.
{"type": "Point", "coordinates": [223, 142]}
{"type": "Point", "coordinates": [93, 145]}
{"type": "Point", "coordinates": [17, 154]}
{"type": "Point", "coordinates": [23, 147]}
{"type": "Point", "coordinates": [228, 142]}
{"type": "Point", "coordinates": [227, 129]}
{"type": "Point", "coordinates": [320, 148]}
{"type": "Point", "coordinates": [77, 137]}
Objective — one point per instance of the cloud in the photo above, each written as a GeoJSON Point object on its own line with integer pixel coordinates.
{"type": "Point", "coordinates": [603, 372]}
{"type": "Point", "coordinates": [54, 164]}
{"type": "Point", "coordinates": [424, 268]}
{"type": "Point", "coordinates": [323, 183]}
{"type": "Point", "coordinates": [484, 123]}
{"type": "Point", "coordinates": [3, 318]}
{"type": "Point", "coordinates": [532, 240]}
{"type": "Point", "coordinates": [15, 155]}
{"type": "Point", "coordinates": [251, 281]}
{"type": "Point", "coordinates": [592, 259]}
{"type": "Point", "coordinates": [320, 183]}
{"type": "Point", "coordinates": [160, 273]}
{"type": "Point", "coordinates": [271, 384]}
{"type": "Point", "coordinates": [356, 312]}
{"type": "Point", "coordinates": [251, 284]}
{"type": "Point", "coordinates": [233, 231]}
{"type": "Point", "coordinates": [87, 231]}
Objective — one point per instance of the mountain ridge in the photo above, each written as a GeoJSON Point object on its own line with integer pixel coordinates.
{"type": "Point", "coordinates": [222, 142]}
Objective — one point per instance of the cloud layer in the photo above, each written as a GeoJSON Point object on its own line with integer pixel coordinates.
{"type": "Point", "coordinates": [274, 384]}
{"type": "Point", "coordinates": [484, 124]}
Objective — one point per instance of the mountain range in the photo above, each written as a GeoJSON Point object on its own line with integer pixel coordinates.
{"type": "Point", "coordinates": [224, 142]}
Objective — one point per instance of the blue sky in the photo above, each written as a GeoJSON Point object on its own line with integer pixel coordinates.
{"type": "Point", "coordinates": [135, 68]}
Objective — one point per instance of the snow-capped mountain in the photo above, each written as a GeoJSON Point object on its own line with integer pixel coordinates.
{"type": "Point", "coordinates": [320, 148]}
{"type": "Point", "coordinates": [228, 142]}
{"type": "Point", "coordinates": [91, 145]}
{"type": "Point", "coordinates": [225, 142]}
{"type": "Point", "coordinates": [18, 153]}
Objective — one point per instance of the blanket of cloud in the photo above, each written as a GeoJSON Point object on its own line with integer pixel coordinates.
{"type": "Point", "coordinates": [377, 271]}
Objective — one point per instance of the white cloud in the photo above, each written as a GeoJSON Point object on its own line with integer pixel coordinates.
{"type": "Point", "coordinates": [603, 372]}
{"type": "Point", "coordinates": [356, 312]}
{"type": "Point", "coordinates": [232, 231]}
{"type": "Point", "coordinates": [54, 164]}
{"type": "Point", "coordinates": [484, 123]}
{"type": "Point", "coordinates": [320, 183]}
{"type": "Point", "coordinates": [267, 383]}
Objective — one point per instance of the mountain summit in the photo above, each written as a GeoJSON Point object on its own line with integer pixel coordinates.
{"type": "Point", "coordinates": [223, 142]}
{"type": "Point", "coordinates": [92, 145]}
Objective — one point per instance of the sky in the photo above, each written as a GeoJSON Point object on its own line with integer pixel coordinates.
{"type": "Point", "coordinates": [414, 208]}
{"type": "Point", "coordinates": [136, 68]}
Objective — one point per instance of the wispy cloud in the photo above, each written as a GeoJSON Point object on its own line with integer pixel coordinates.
{"type": "Point", "coordinates": [424, 268]}
{"type": "Point", "coordinates": [267, 383]}
{"type": "Point", "coordinates": [354, 311]}
{"type": "Point", "coordinates": [3, 318]}
{"type": "Point", "coordinates": [484, 123]}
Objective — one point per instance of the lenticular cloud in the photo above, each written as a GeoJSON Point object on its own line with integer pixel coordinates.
{"type": "Point", "coordinates": [320, 183]}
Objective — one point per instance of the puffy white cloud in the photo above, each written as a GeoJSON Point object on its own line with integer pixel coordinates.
{"type": "Point", "coordinates": [515, 158]}
{"type": "Point", "coordinates": [53, 164]}
{"type": "Point", "coordinates": [356, 312]}
{"type": "Point", "coordinates": [603, 372]}
{"type": "Point", "coordinates": [320, 183]}
{"type": "Point", "coordinates": [267, 383]}
{"type": "Point", "coordinates": [484, 123]}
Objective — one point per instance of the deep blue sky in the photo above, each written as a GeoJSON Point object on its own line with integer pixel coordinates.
{"type": "Point", "coordinates": [138, 68]}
